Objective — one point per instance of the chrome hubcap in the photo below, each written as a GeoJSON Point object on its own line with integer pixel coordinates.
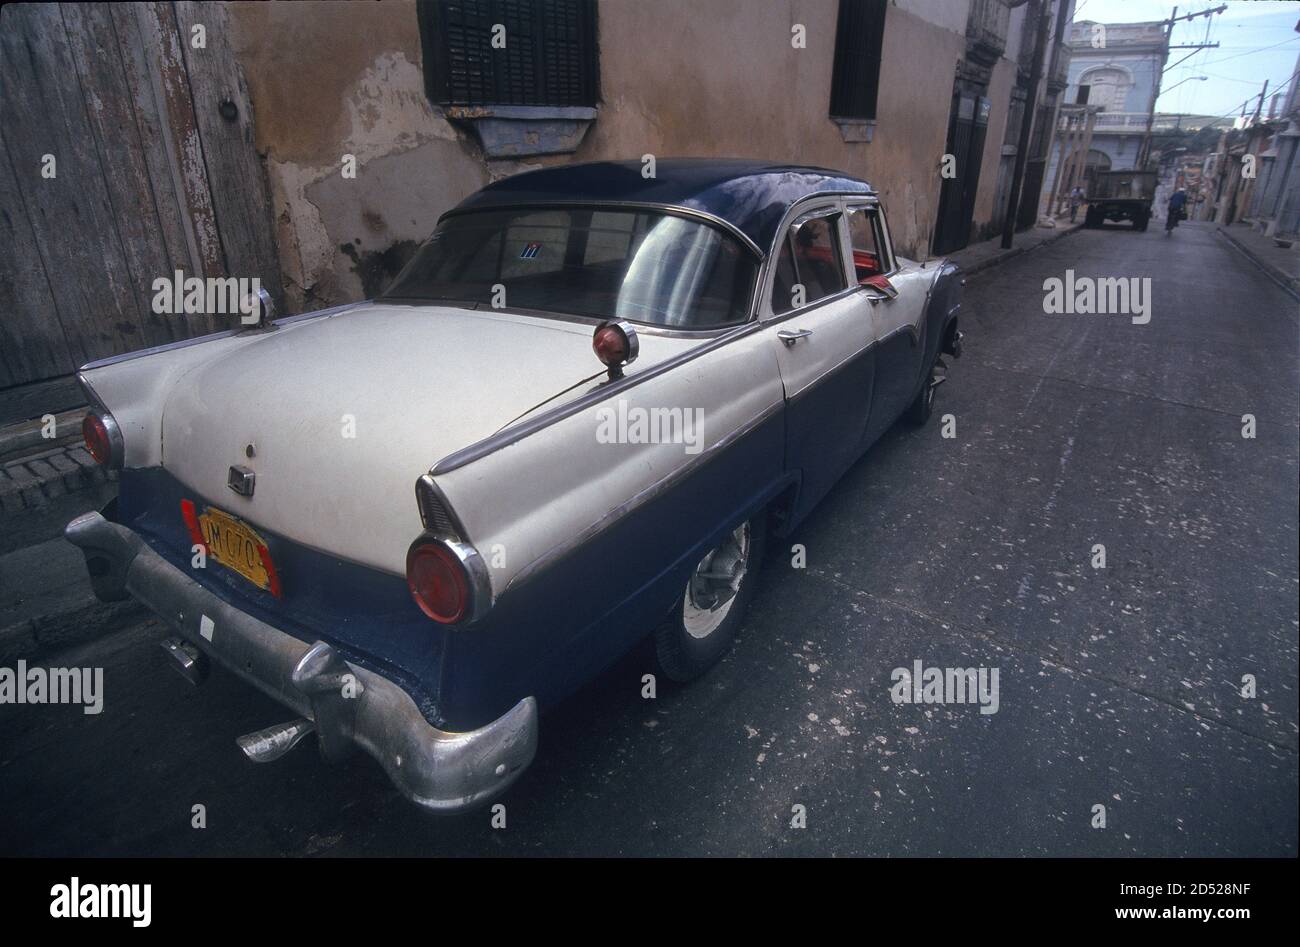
{"type": "Point", "coordinates": [938, 375]}
{"type": "Point", "coordinates": [712, 589]}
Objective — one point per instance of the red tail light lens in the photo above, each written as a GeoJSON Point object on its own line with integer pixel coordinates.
{"type": "Point", "coordinates": [438, 582]}
{"type": "Point", "coordinates": [615, 344]}
{"type": "Point", "coordinates": [610, 345]}
{"type": "Point", "coordinates": [103, 441]}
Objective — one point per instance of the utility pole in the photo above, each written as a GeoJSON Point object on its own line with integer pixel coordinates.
{"type": "Point", "coordinates": [1145, 148]}
{"type": "Point", "coordinates": [1079, 170]}
{"type": "Point", "coordinates": [1066, 138]}
{"type": "Point", "coordinates": [1044, 9]}
{"type": "Point", "coordinates": [1260, 106]}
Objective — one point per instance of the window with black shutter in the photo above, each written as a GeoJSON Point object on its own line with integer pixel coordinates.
{"type": "Point", "coordinates": [856, 76]}
{"type": "Point", "coordinates": [548, 57]}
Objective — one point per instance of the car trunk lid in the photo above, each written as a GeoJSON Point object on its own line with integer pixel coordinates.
{"type": "Point", "coordinates": [337, 417]}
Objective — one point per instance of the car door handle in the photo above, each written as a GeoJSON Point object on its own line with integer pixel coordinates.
{"type": "Point", "coordinates": [791, 336]}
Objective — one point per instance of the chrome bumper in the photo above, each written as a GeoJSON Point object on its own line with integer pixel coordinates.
{"type": "Point", "coordinates": [349, 706]}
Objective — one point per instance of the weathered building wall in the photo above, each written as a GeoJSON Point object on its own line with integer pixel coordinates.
{"type": "Point", "coordinates": [329, 80]}
{"type": "Point", "coordinates": [678, 78]}
{"type": "Point", "coordinates": [1001, 83]}
{"type": "Point", "coordinates": [674, 86]}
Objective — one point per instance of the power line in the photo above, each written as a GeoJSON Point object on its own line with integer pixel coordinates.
{"type": "Point", "coordinates": [1215, 75]}
{"type": "Point", "coordinates": [1233, 112]}
{"type": "Point", "coordinates": [1260, 49]}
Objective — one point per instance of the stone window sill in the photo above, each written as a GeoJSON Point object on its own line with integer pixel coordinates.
{"type": "Point", "coordinates": [856, 129]}
{"type": "Point", "coordinates": [519, 131]}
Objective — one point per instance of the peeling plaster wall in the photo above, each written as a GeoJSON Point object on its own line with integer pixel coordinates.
{"type": "Point", "coordinates": [678, 78]}
{"type": "Point", "coordinates": [335, 79]}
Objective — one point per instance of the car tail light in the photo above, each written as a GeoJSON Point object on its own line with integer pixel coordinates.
{"type": "Point", "coordinates": [103, 438]}
{"type": "Point", "coordinates": [439, 581]}
{"type": "Point", "coordinates": [616, 345]}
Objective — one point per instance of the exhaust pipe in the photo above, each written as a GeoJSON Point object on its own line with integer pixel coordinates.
{"type": "Point", "coordinates": [267, 746]}
{"type": "Point", "coordinates": [191, 663]}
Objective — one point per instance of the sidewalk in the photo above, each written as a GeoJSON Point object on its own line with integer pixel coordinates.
{"type": "Point", "coordinates": [40, 461]}
{"type": "Point", "coordinates": [1280, 263]}
{"type": "Point", "coordinates": [981, 256]}
{"type": "Point", "coordinates": [45, 598]}
{"type": "Point", "coordinates": [46, 604]}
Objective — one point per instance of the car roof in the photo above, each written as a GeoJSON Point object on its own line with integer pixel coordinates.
{"type": "Point", "coordinates": [749, 196]}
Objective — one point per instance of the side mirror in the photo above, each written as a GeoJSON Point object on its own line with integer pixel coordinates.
{"type": "Point", "coordinates": [883, 287]}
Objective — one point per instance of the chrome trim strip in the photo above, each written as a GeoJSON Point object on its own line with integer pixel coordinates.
{"type": "Point", "coordinates": [660, 486]}
{"type": "Point", "coordinates": [305, 316]}
{"type": "Point", "coordinates": [117, 456]}
{"type": "Point", "coordinates": [907, 327]}
{"type": "Point", "coordinates": [156, 350]}
{"type": "Point", "coordinates": [838, 367]}
{"type": "Point", "coordinates": [825, 300]}
{"type": "Point", "coordinates": [517, 432]}
{"type": "Point", "coordinates": [210, 337]}
{"type": "Point", "coordinates": [92, 396]}
{"type": "Point", "coordinates": [677, 210]}
{"type": "Point", "coordinates": [480, 580]}
{"type": "Point", "coordinates": [644, 328]}
{"type": "Point", "coordinates": [116, 446]}
{"type": "Point", "coordinates": [426, 484]}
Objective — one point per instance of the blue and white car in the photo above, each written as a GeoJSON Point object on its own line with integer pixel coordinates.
{"type": "Point", "coordinates": [572, 421]}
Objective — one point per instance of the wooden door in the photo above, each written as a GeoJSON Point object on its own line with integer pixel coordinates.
{"type": "Point", "coordinates": [126, 154]}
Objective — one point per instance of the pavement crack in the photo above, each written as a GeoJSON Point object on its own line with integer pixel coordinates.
{"type": "Point", "coordinates": [1107, 389]}
{"type": "Point", "coordinates": [1029, 653]}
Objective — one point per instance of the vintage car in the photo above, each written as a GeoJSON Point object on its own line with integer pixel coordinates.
{"type": "Point", "coordinates": [570, 424]}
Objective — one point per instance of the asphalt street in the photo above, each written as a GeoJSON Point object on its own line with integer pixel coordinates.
{"type": "Point", "coordinates": [1119, 686]}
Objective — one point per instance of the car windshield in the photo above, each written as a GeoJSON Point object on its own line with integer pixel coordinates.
{"type": "Point", "coordinates": [638, 265]}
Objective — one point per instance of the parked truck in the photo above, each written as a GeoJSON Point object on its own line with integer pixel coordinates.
{"type": "Point", "coordinates": [1120, 195]}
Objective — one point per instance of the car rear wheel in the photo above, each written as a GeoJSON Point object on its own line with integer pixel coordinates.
{"type": "Point", "coordinates": [704, 622]}
{"type": "Point", "coordinates": [922, 407]}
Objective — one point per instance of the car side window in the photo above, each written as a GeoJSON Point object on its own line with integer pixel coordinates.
{"type": "Point", "coordinates": [809, 267]}
{"type": "Point", "coordinates": [817, 257]}
{"type": "Point", "coordinates": [868, 261]}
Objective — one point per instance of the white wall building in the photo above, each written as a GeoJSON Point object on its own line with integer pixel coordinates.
{"type": "Point", "coordinates": [1116, 66]}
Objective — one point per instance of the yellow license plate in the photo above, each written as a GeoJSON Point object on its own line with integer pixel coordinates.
{"type": "Point", "coordinates": [234, 545]}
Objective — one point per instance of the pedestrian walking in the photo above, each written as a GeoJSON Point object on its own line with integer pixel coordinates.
{"type": "Point", "coordinates": [1076, 198]}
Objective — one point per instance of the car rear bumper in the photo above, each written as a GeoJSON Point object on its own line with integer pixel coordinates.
{"type": "Point", "coordinates": [348, 706]}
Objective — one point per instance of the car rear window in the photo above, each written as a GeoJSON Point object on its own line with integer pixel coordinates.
{"type": "Point", "coordinates": [642, 266]}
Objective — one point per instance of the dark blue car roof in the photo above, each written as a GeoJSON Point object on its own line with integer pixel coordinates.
{"type": "Point", "coordinates": [750, 196]}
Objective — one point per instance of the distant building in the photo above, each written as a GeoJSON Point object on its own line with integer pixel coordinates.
{"type": "Point", "coordinates": [1274, 206]}
{"type": "Point", "coordinates": [1114, 71]}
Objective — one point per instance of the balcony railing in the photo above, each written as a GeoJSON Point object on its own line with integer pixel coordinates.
{"type": "Point", "coordinates": [1121, 121]}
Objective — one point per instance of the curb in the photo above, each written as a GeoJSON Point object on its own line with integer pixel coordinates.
{"type": "Point", "coordinates": [1289, 283]}
{"type": "Point", "coordinates": [30, 482]}
{"type": "Point", "coordinates": [86, 620]}
{"type": "Point", "coordinates": [1014, 252]}
{"type": "Point", "coordinates": [18, 441]}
